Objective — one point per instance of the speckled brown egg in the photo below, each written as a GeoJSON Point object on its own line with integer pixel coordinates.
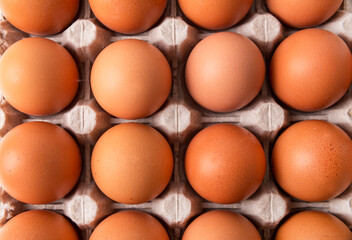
{"type": "Point", "coordinates": [128, 16]}
{"type": "Point", "coordinates": [312, 160]}
{"type": "Point", "coordinates": [215, 14]}
{"type": "Point", "coordinates": [132, 163]}
{"type": "Point", "coordinates": [39, 163]}
{"type": "Point", "coordinates": [312, 225]}
{"type": "Point", "coordinates": [130, 225]}
{"type": "Point", "coordinates": [225, 163]}
{"type": "Point", "coordinates": [131, 79]}
{"type": "Point", "coordinates": [38, 225]}
{"type": "Point", "coordinates": [38, 76]}
{"type": "Point", "coordinates": [225, 72]}
{"type": "Point", "coordinates": [311, 70]}
{"type": "Point", "coordinates": [303, 13]}
{"type": "Point", "coordinates": [40, 17]}
{"type": "Point", "coordinates": [221, 225]}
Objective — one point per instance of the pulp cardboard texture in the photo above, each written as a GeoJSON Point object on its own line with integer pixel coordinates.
{"type": "Point", "coordinates": [178, 120]}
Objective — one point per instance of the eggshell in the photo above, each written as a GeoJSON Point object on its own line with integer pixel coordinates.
{"type": "Point", "coordinates": [128, 16]}
{"type": "Point", "coordinates": [215, 14]}
{"type": "Point", "coordinates": [311, 70]}
{"type": "Point", "coordinates": [225, 163]}
{"type": "Point", "coordinates": [39, 162]}
{"type": "Point", "coordinates": [312, 225]}
{"type": "Point", "coordinates": [131, 79]}
{"type": "Point", "coordinates": [132, 163]}
{"type": "Point", "coordinates": [221, 225]}
{"type": "Point", "coordinates": [312, 160]}
{"type": "Point", "coordinates": [303, 13]}
{"type": "Point", "coordinates": [40, 17]}
{"type": "Point", "coordinates": [130, 225]}
{"type": "Point", "coordinates": [225, 72]}
{"type": "Point", "coordinates": [38, 225]}
{"type": "Point", "coordinates": [38, 76]}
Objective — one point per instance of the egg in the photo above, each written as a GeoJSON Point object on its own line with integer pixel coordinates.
{"type": "Point", "coordinates": [38, 76]}
{"type": "Point", "coordinates": [225, 163]}
{"type": "Point", "coordinates": [39, 225]}
{"type": "Point", "coordinates": [40, 17]}
{"type": "Point", "coordinates": [131, 225]}
{"type": "Point", "coordinates": [39, 162]}
{"type": "Point", "coordinates": [128, 16]}
{"type": "Point", "coordinates": [312, 225]}
{"type": "Point", "coordinates": [224, 72]}
{"type": "Point", "coordinates": [215, 14]}
{"type": "Point", "coordinates": [221, 225]}
{"type": "Point", "coordinates": [312, 160]}
{"type": "Point", "coordinates": [311, 70]}
{"type": "Point", "coordinates": [132, 163]}
{"type": "Point", "coordinates": [303, 13]}
{"type": "Point", "coordinates": [131, 79]}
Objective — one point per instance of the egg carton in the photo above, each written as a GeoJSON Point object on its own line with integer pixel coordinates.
{"type": "Point", "coordinates": [179, 119]}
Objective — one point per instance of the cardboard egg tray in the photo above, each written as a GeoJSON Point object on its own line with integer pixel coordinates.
{"type": "Point", "coordinates": [178, 120]}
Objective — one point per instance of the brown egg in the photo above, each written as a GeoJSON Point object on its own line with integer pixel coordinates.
{"type": "Point", "coordinates": [131, 225]}
{"type": "Point", "coordinates": [303, 13]}
{"type": "Point", "coordinates": [221, 225]}
{"type": "Point", "coordinates": [215, 14]}
{"type": "Point", "coordinates": [312, 225]}
{"type": "Point", "coordinates": [38, 225]}
{"type": "Point", "coordinates": [128, 16]}
{"type": "Point", "coordinates": [40, 17]}
{"type": "Point", "coordinates": [132, 163]}
{"type": "Point", "coordinates": [225, 163]}
{"type": "Point", "coordinates": [312, 160]}
{"type": "Point", "coordinates": [38, 76]}
{"type": "Point", "coordinates": [131, 79]}
{"type": "Point", "coordinates": [39, 163]}
{"type": "Point", "coordinates": [311, 70]}
{"type": "Point", "coordinates": [225, 72]}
